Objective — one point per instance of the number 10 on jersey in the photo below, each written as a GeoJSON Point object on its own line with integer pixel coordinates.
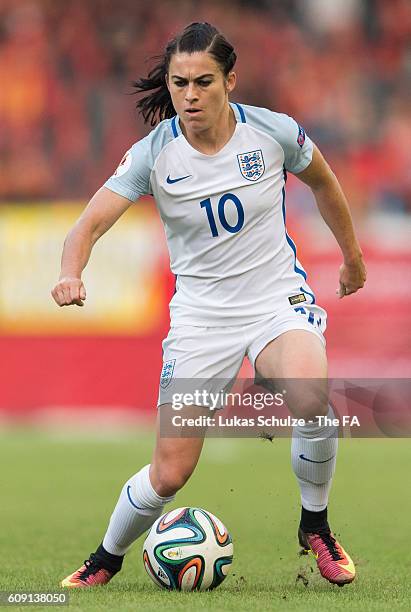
{"type": "Point", "coordinates": [227, 197]}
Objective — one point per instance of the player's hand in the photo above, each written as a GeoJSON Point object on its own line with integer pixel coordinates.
{"type": "Point", "coordinates": [352, 277]}
{"type": "Point", "coordinates": [68, 291]}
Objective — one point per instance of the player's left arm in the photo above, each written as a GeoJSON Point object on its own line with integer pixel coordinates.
{"type": "Point", "coordinates": [334, 209]}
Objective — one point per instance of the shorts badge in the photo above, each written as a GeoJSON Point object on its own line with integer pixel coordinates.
{"type": "Point", "coordinates": [251, 164]}
{"type": "Point", "coordinates": [167, 373]}
{"type": "Point", "coordinates": [297, 299]}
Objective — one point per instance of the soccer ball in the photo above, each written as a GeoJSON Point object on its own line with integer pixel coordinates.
{"type": "Point", "coordinates": [188, 549]}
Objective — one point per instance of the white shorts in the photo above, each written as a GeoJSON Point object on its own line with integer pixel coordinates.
{"type": "Point", "coordinates": [210, 357]}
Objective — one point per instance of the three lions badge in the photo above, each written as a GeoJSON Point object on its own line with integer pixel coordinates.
{"type": "Point", "coordinates": [251, 164]}
{"type": "Point", "coordinates": [167, 373]}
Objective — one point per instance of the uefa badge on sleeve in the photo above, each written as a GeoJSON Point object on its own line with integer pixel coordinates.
{"type": "Point", "coordinates": [251, 164]}
{"type": "Point", "coordinates": [124, 165]}
{"type": "Point", "coordinates": [301, 136]}
{"type": "Point", "coordinates": [167, 373]}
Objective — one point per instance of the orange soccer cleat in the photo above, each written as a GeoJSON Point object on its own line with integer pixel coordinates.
{"type": "Point", "coordinates": [96, 571]}
{"type": "Point", "coordinates": [334, 563]}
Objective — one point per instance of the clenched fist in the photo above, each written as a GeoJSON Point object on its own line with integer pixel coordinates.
{"type": "Point", "coordinates": [68, 291]}
{"type": "Point", "coordinates": [352, 277]}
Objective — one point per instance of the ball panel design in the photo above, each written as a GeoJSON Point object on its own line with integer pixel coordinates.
{"type": "Point", "coordinates": [220, 532]}
{"type": "Point", "coordinates": [157, 579]}
{"type": "Point", "coordinates": [188, 549]}
{"type": "Point", "coordinates": [221, 569]}
{"type": "Point", "coordinates": [169, 519]}
{"type": "Point", "coordinates": [191, 574]}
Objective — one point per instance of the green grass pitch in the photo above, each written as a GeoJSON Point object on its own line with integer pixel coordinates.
{"type": "Point", "coordinates": [58, 491]}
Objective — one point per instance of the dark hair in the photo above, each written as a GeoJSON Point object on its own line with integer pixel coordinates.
{"type": "Point", "coordinates": [195, 37]}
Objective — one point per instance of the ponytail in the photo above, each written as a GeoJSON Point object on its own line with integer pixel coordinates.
{"type": "Point", "coordinates": [157, 105]}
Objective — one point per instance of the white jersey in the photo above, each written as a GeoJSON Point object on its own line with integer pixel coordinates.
{"type": "Point", "coordinates": [224, 216]}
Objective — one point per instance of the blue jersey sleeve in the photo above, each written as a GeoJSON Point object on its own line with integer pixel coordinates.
{"type": "Point", "coordinates": [297, 146]}
{"type": "Point", "coordinates": [132, 177]}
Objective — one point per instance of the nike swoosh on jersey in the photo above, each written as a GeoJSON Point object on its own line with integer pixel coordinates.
{"type": "Point", "coordinates": [312, 460]}
{"type": "Point", "coordinates": [170, 181]}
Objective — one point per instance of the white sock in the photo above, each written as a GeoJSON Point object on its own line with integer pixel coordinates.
{"type": "Point", "coordinates": [313, 457]}
{"type": "Point", "coordinates": [137, 508]}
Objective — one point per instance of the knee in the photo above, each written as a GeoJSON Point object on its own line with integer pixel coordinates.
{"type": "Point", "coordinates": [167, 479]}
{"type": "Point", "coordinates": [310, 407]}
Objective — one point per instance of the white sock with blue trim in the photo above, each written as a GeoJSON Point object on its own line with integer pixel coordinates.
{"type": "Point", "coordinates": [137, 508]}
{"type": "Point", "coordinates": [313, 457]}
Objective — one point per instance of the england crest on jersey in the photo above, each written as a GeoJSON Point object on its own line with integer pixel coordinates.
{"type": "Point", "coordinates": [167, 373]}
{"type": "Point", "coordinates": [251, 164]}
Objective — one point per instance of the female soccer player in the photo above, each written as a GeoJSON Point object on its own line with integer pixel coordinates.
{"type": "Point", "coordinates": [217, 171]}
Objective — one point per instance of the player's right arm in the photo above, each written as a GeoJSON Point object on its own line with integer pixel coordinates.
{"type": "Point", "coordinates": [129, 182]}
{"type": "Point", "coordinates": [101, 213]}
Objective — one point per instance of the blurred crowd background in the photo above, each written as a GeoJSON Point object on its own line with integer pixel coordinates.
{"type": "Point", "coordinates": [341, 68]}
